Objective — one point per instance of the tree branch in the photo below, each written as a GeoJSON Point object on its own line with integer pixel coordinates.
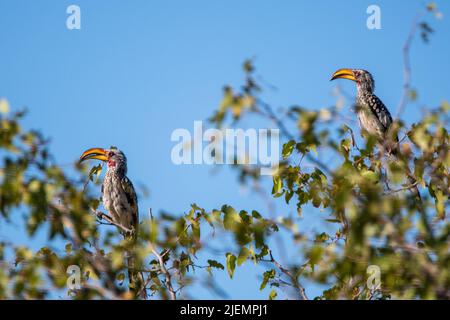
{"type": "Point", "coordinates": [407, 67]}
{"type": "Point", "coordinates": [167, 275]}
{"type": "Point", "coordinates": [103, 216]}
{"type": "Point", "coordinates": [293, 278]}
{"type": "Point", "coordinates": [402, 189]}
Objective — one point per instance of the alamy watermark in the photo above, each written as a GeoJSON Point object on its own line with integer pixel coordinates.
{"type": "Point", "coordinates": [228, 146]}
{"type": "Point", "coordinates": [74, 279]}
{"type": "Point", "coordinates": [73, 21]}
{"type": "Point", "coordinates": [374, 279]}
{"type": "Point", "coordinates": [373, 21]}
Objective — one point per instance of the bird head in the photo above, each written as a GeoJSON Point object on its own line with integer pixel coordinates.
{"type": "Point", "coordinates": [363, 78]}
{"type": "Point", "coordinates": [115, 158]}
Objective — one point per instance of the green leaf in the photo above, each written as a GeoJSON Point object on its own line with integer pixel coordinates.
{"type": "Point", "coordinates": [441, 200]}
{"type": "Point", "coordinates": [270, 274]}
{"type": "Point", "coordinates": [322, 237]}
{"type": "Point", "coordinates": [215, 264]}
{"type": "Point", "coordinates": [333, 220]}
{"type": "Point", "coordinates": [279, 194]}
{"type": "Point", "coordinates": [196, 230]}
{"type": "Point", "coordinates": [315, 255]}
{"type": "Point", "coordinates": [231, 218]}
{"type": "Point", "coordinates": [272, 295]}
{"type": "Point", "coordinates": [248, 66]}
{"type": "Point", "coordinates": [288, 147]}
{"type": "Point", "coordinates": [445, 106]}
{"type": "Point", "coordinates": [316, 201]}
{"type": "Point", "coordinates": [277, 184]}
{"type": "Point", "coordinates": [313, 147]}
{"type": "Point", "coordinates": [231, 264]}
{"type": "Point", "coordinates": [4, 106]}
{"type": "Point", "coordinates": [288, 196]}
{"type": "Point", "coordinates": [256, 214]}
{"type": "Point", "coordinates": [412, 94]}
{"type": "Point", "coordinates": [95, 171]}
{"type": "Point", "coordinates": [243, 255]}
{"type": "Point", "coordinates": [345, 146]}
{"type": "Point", "coordinates": [68, 248]}
{"type": "Point", "coordinates": [370, 176]}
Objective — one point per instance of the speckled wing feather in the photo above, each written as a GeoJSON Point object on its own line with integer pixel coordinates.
{"type": "Point", "coordinates": [380, 111]}
{"type": "Point", "coordinates": [130, 193]}
{"type": "Point", "coordinates": [135, 278]}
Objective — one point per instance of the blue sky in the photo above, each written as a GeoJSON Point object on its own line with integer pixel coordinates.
{"type": "Point", "coordinates": [137, 70]}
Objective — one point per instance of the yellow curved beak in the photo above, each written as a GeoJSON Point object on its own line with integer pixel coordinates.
{"type": "Point", "coordinates": [343, 73]}
{"type": "Point", "coordinates": [94, 153]}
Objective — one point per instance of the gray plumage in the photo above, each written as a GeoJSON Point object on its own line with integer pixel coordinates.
{"type": "Point", "coordinates": [373, 116]}
{"type": "Point", "coordinates": [118, 194]}
{"type": "Point", "coordinates": [120, 200]}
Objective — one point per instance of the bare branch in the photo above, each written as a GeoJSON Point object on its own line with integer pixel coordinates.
{"type": "Point", "coordinates": [402, 189]}
{"type": "Point", "coordinates": [407, 66]}
{"type": "Point", "coordinates": [103, 216]}
{"type": "Point", "coordinates": [167, 275]}
{"type": "Point", "coordinates": [293, 278]}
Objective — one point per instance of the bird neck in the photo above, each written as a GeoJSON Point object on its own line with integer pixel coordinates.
{"type": "Point", "coordinates": [364, 89]}
{"type": "Point", "coordinates": [116, 170]}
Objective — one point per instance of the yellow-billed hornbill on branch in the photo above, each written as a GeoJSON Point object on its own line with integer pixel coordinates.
{"type": "Point", "coordinates": [118, 195]}
{"type": "Point", "coordinates": [120, 200]}
{"type": "Point", "coordinates": [374, 118]}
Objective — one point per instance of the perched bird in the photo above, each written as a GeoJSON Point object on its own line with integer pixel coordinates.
{"type": "Point", "coordinates": [374, 118]}
{"type": "Point", "coordinates": [119, 198]}
{"type": "Point", "coordinates": [118, 195]}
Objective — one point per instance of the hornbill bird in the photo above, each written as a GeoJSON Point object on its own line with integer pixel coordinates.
{"type": "Point", "coordinates": [120, 200]}
{"type": "Point", "coordinates": [374, 118]}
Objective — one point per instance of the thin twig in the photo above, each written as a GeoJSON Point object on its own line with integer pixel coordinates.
{"type": "Point", "coordinates": [292, 277]}
{"type": "Point", "coordinates": [167, 275]}
{"type": "Point", "coordinates": [403, 189]}
{"type": "Point", "coordinates": [272, 116]}
{"type": "Point", "coordinates": [176, 240]}
{"type": "Point", "coordinates": [104, 216]}
{"type": "Point", "coordinates": [407, 67]}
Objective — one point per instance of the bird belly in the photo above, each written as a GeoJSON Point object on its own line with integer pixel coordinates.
{"type": "Point", "coordinates": [116, 203]}
{"type": "Point", "coordinates": [369, 123]}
